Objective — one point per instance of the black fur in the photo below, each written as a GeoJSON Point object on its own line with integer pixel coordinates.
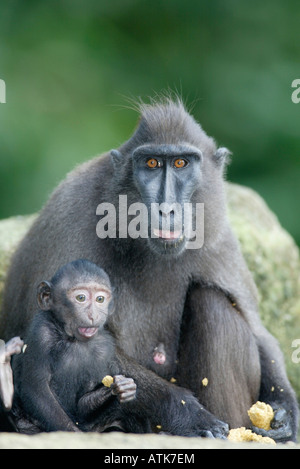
{"type": "Point", "coordinates": [159, 298]}
{"type": "Point", "coordinates": [58, 378]}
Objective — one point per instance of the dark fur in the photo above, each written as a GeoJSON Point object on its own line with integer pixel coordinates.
{"type": "Point", "coordinates": [55, 372]}
{"type": "Point", "coordinates": [58, 378]}
{"type": "Point", "coordinates": [151, 292]}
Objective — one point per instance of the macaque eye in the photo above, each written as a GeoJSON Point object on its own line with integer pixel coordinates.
{"type": "Point", "coordinates": [153, 163]}
{"type": "Point", "coordinates": [80, 298]}
{"type": "Point", "coordinates": [100, 299]}
{"type": "Point", "coordinates": [180, 163]}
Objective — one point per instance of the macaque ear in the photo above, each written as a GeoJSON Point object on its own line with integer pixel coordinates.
{"type": "Point", "coordinates": [117, 158]}
{"type": "Point", "coordinates": [44, 298]}
{"type": "Point", "coordinates": [222, 156]}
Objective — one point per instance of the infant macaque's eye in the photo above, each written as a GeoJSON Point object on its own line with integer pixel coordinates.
{"type": "Point", "coordinates": [80, 298]}
{"type": "Point", "coordinates": [100, 299]}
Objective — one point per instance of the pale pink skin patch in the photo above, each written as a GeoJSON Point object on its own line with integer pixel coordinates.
{"type": "Point", "coordinates": [159, 355]}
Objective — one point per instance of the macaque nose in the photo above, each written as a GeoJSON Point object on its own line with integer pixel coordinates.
{"type": "Point", "coordinates": [169, 218]}
{"type": "Point", "coordinates": [167, 213]}
{"type": "Point", "coordinates": [166, 209]}
{"type": "Point", "coordinates": [93, 315]}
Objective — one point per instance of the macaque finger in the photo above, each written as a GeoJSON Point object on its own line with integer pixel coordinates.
{"type": "Point", "coordinates": [127, 396]}
{"type": "Point", "coordinates": [13, 347]}
{"type": "Point", "coordinates": [124, 387]}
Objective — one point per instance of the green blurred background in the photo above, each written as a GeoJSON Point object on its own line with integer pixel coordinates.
{"type": "Point", "coordinates": [71, 65]}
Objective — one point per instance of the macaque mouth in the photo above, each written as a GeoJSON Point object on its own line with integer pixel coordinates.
{"type": "Point", "coordinates": [87, 331]}
{"type": "Point", "coordinates": [167, 235]}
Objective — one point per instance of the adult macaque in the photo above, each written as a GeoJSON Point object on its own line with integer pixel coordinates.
{"type": "Point", "coordinates": [165, 293]}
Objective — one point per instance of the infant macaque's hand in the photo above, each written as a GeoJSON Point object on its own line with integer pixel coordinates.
{"type": "Point", "coordinates": [124, 388]}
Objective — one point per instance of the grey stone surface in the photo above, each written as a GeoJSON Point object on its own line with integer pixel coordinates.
{"type": "Point", "coordinates": [114, 441]}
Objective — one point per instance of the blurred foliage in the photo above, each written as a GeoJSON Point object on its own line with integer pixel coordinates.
{"type": "Point", "coordinates": [71, 65]}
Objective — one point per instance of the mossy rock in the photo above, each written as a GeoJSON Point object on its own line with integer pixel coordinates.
{"type": "Point", "coordinates": [12, 231]}
{"type": "Point", "coordinates": [270, 252]}
{"type": "Point", "coordinates": [273, 259]}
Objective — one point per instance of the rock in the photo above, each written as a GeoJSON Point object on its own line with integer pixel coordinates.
{"type": "Point", "coordinates": [273, 259]}
{"type": "Point", "coordinates": [123, 441]}
{"type": "Point", "coordinates": [12, 231]}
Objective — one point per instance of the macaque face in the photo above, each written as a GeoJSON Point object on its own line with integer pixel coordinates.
{"type": "Point", "coordinates": [89, 310]}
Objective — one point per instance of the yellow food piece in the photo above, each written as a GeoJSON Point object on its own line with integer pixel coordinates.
{"type": "Point", "coordinates": [108, 381]}
{"type": "Point", "coordinates": [243, 434]}
{"type": "Point", "coordinates": [261, 415]}
{"type": "Point", "coordinates": [173, 380]}
{"type": "Point", "coordinates": [205, 382]}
